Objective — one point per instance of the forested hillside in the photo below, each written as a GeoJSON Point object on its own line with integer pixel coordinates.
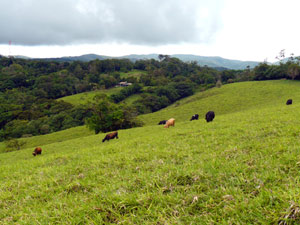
{"type": "Point", "coordinates": [30, 89]}
{"type": "Point", "coordinates": [215, 62]}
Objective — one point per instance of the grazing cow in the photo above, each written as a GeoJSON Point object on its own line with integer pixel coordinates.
{"type": "Point", "coordinates": [37, 151]}
{"type": "Point", "coordinates": [210, 115]}
{"type": "Point", "coordinates": [195, 117]}
{"type": "Point", "coordinates": [162, 122]}
{"type": "Point", "coordinates": [170, 122]}
{"type": "Point", "coordinates": [289, 102]}
{"type": "Point", "coordinates": [111, 136]}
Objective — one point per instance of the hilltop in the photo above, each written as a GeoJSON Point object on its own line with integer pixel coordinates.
{"type": "Point", "coordinates": [241, 168]}
{"type": "Point", "coordinates": [210, 61]}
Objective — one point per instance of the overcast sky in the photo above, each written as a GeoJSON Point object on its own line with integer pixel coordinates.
{"type": "Point", "coordinates": [235, 29]}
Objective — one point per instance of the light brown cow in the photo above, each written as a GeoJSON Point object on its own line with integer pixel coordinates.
{"type": "Point", "coordinates": [170, 122]}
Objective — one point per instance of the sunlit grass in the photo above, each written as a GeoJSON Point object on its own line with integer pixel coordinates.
{"type": "Point", "coordinates": [243, 168]}
{"type": "Point", "coordinates": [83, 98]}
{"type": "Point", "coordinates": [72, 133]}
{"type": "Point", "coordinates": [133, 73]}
{"type": "Point", "coordinates": [228, 99]}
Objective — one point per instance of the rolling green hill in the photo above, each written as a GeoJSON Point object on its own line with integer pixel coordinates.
{"type": "Point", "coordinates": [211, 61]}
{"type": "Point", "coordinates": [84, 97]}
{"type": "Point", "coordinates": [243, 168]}
{"type": "Point", "coordinates": [229, 99]}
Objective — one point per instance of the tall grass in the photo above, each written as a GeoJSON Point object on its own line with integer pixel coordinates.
{"type": "Point", "coordinates": [72, 133]}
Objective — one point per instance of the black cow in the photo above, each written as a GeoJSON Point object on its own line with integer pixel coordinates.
{"type": "Point", "coordinates": [162, 122]}
{"type": "Point", "coordinates": [289, 102]}
{"type": "Point", "coordinates": [195, 117]}
{"type": "Point", "coordinates": [210, 115]}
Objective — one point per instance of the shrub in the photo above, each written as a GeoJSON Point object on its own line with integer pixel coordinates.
{"type": "Point", "coordinates": [184, 89]}
{"type": "Point", "coordinates": [108, 116]}
{"type": "Point", "coordinates": [13, 145]}
{"type": "Point", "coordinates": [126, 92]}
{"type": "Point", "coordinates": [45, 129]}
{"type": "Point", "coordinates": [26, 135]}
{"type": "Point", "coordinates": [219, 84]}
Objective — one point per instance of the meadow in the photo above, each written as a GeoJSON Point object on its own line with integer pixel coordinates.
{"type": "Point", "coordinates": [83, 98]}
{"type": "Point", "coordinates": [133, 73]}
{"type": "Point", "coordinates": [242, 168]}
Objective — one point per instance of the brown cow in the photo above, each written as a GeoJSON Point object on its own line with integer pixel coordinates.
{"type": "Point", "coordinates": [37, 151]}
{"type": "Point", "coordinates": [170, 122]}
{"type": "Point", "coordinates": [111, 136]}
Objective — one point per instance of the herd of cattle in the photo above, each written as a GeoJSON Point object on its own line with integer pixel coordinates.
{"type": "Point", "coordinates": [167, 123]}
{"type": "Point", "coordinates": [209, 117]}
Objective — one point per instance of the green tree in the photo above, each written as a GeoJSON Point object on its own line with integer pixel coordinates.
{"type": "Point", "coordinates": [260, 71]}
{"type": "Point", "coordinates": [219, 84]}
{"type": "Point", "coordinates": [168, 91]}
{"type": "Point", "coordinates": [13, 145]}
{"type": "Point", "coordinates": [293, 70]}
{"type": "Point", "coordinates": [108, 116]}
{"type": "Point", "coordinates": [184, 89]}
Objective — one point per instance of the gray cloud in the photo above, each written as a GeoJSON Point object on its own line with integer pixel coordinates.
{"type": "Point", "coordinates": [149, 22]}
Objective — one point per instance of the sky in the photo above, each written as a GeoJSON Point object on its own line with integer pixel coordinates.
{"type": "Point", "coordinates": [255, 30]}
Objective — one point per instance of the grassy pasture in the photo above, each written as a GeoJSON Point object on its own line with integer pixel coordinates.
{"type": "Point", "coordinates": [229, 99]}
{"type": "Point", "coordinates": [64, 135]}
{"type": "Point", "coordinates": [133, 73]}
{"type": "Point", "coordinates": [243, 168]}
{"type": "Point", "coordinates": [132, 99]}
{"type": "Point", "coordinates": [83, 98]}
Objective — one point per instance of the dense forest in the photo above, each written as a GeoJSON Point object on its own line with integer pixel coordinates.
{"type": "Point", "coordinates": [29, 90]}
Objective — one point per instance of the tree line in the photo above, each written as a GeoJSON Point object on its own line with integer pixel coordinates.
{"type": "Point", "coordinates": [29, 90]}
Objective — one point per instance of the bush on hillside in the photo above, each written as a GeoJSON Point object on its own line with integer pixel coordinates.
{"type": "Point", "coordinates": [219, 84]}
{"type": "Point", "coordinates": [108, 116]}
{"type": "Point", "coordinates": [13, 145]}
{"type": "Point", "coordinates": [151, 103]}
{"type": "Point", "coordinates": [184, 88]}
{"type": "Point", "coordinates": [126, 92]}
{"type": "Point", "coordinates": [229, 81]}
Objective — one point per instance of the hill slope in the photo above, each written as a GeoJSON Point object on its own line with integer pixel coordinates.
{"type": "Point", "coordinates": [211, 61]}
{"type": "Point", "coordinates": [242, 168]}
{"type": "Point", "coordinates": [229, 99]}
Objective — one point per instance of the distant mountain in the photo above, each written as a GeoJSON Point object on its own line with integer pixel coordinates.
{"type": "Point", "coordinates": [83, 58]}
{"type": "Point", "coordinates": [216, 62]}
{"type": "Point", "coordinates": [21, 57]}
{"type": "Point", "coordinates": [210, 61]}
